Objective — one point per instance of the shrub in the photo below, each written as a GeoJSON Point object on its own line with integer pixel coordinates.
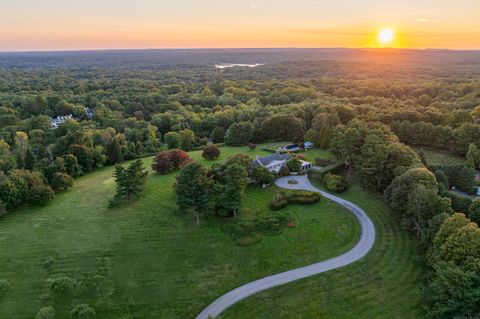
{"type": "Point", "coordinates": [285, 197]}
{"type": "Point", "coordinates": [252, 146]}
{"type": "Point", "coordinates": [61, 182]}
{"type": "Point", "coordinates": [168, 161]}
{"type": "Point", "coordinates": [335, 183]}
{"type": "Point", "coordinates": [211, 152]}
{"type": "Point", "coordinates": [82, 311]}
{"type": "Point", "coordinates": [41, 194]}
{"type": "Point", "coordinates": [46, 313]}
{"type": "Point", "coordinates": [294, 164]}
{"type": "Point", "coordinates": [271, 223]}
{"type": "Point", "coordinates": [63, 285]}
{"type": "Point", "coordinates": [264, 224]}
{"type": "Point", "coordinates": [301, 157]}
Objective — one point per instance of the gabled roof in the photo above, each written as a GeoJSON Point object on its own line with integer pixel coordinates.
{"type": "Point", "coordinates": [265, 160]}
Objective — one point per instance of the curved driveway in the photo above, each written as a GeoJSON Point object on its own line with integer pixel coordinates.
{"type": "Point", "coordinates": [364, 245]}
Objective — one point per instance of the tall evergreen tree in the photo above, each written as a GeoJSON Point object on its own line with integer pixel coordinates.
{"type": "Point", "coordinates": [193, 190]}
{"type": "Point", "coordinates": [130, 182]}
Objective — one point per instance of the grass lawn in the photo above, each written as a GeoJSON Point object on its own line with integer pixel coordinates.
{"type": "Point", "coordinates": [383, 285]}
{"type": "Point", "coordinates": [147, 260]}
{"type": "Point", "coordinates": [434, 157]}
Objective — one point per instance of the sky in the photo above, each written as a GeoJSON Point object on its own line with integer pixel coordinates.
{"type": "Point", "coordinates": [30, 25]}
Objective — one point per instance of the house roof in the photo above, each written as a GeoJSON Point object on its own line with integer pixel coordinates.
{"type": "Point", "coordinates": [265, 160]}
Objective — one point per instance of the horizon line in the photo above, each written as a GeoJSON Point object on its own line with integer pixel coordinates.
{"type": "Point", "coordinates": [239, 48]}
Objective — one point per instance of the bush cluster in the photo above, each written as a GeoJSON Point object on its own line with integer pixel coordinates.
{"type": "Point", "coordinates": [250, 231]}
{"type": "Point", "coordinates": [24, 186]}
{"type": "Point", "coordinates": [335, 183]}
{"type": "Point", "coordinates": [283, 198]}
{"type": "Point", "coordinates": [63, 285]}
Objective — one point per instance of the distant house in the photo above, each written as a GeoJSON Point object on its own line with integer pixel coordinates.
{"type": "Point", "coordinates": [275, 162]}
{"type": "Point", "coordinates": [89, 112]}
{"type": "Point", "coordinates": [60, 119]}
{"type": "Point", "coordinates": [308, 145]}
{"type": "Point", "coordinates": [289, 148]}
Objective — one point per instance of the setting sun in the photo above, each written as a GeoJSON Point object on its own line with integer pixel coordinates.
{"type": "Point", "coordinates": [386, 36]}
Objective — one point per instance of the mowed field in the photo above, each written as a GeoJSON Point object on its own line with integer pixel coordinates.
{"type": "Point", "coordinates": [435, 157]}
{"type": "Point", "coordinates": [147, 259]}
{"type": "Point", "coordinates": [385, 284]}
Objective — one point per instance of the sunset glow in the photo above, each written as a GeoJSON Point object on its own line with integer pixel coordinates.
{"type": "Point", "coordinates": [386, 36]}
{"type": "Point", "coordinates": [89, 24]}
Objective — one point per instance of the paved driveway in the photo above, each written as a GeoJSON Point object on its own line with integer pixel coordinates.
{"type": "Point", "coordinates": [364, 245]}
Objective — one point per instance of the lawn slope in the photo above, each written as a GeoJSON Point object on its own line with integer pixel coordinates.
{"type": "Point", "coordinates": [382, 285]}
{"type": "Point", "coordinates": [147, 260]}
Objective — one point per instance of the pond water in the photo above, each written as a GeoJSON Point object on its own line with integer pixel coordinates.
{"type": "Point", "coordinates": [231, 65]}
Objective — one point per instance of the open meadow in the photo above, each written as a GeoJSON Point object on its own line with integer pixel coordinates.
{"type": "Point", "coordinates": [146, 259]}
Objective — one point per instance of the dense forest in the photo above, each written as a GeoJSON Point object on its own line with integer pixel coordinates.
{"type": "Point", "coordinates": [367, 106]}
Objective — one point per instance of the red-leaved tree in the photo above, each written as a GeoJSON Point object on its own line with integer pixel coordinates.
{"type": "Point", "coordinates": [168, 161]}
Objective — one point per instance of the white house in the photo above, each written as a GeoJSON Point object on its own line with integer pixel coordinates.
{"type": "Point", "coordinates": [60, 119]}
{"type": "Point", "coordinates": [275, 162]}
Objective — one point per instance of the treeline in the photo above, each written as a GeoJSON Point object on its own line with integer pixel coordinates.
{"type": "Point", "coordinates": [457, 140]}
{"type": "Point", "coordinates": [138, 111]}
{"type": "Point", "coordinates": [425, 208]}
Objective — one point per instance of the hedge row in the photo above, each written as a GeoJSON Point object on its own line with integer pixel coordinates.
{"type": "Point", "coordinates": [318, 174]}
{"type": "Point", "coordinates": [283, 198]}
